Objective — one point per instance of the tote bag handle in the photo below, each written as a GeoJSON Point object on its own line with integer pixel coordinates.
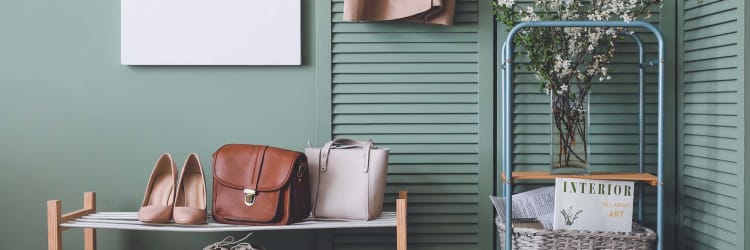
{"type": "Point", "coordinates": [345, 143]}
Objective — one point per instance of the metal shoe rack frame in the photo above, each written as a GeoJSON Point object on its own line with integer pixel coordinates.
{"type": "Point", "coordinates": [507, 57]}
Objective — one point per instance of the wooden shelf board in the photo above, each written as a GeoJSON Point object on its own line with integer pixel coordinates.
{"type": "Point", "coordinates": [614, 176]}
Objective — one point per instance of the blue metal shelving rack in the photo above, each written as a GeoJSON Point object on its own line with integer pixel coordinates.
{"type": "Point", "coordinates": [507, 105]}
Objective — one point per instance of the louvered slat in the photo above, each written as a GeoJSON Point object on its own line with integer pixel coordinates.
{"type": "Point", "coordinates": [413, 88]}
{"type": "Point", "coordinates": [708, 174]}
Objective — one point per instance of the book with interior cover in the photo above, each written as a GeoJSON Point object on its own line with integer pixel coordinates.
{"type": "Point", "coordinates": [594, 205]}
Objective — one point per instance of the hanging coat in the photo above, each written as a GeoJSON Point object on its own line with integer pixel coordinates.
{"type": "Point", "coordinates": [421, 11]}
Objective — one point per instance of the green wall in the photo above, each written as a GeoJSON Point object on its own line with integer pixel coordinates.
{"type": "Point", "coordinates": [75, 120]}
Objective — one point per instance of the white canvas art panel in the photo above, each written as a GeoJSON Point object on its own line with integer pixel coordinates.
{"type": "Point", "coordinates": [210, 32]}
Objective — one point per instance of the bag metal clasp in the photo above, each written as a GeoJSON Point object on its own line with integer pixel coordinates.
{"type": "Point", "coordinates": [249, 197]}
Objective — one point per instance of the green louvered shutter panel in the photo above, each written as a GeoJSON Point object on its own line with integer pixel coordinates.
{"type": "Point", "coordinates": [413, 88]}
{"type": "Point", "coordinates": [614, 117]}
{"type": "Point", "coordinates": [710, 183]}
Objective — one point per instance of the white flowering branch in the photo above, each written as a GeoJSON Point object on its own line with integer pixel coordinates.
{"type": "Point", "coordinates": [563, 57]}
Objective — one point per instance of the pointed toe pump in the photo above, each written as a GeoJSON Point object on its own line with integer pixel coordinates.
{"type": "Point", "coordinates": [158, 202]}
{"type": "Point", "coordinates": [190, 204]}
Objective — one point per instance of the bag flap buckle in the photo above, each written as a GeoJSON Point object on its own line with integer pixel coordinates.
{"type": "Point", "coordinates": [249, 197]}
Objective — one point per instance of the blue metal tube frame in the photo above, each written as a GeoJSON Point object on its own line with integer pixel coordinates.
{"type": "Point", "coordinates": [507, 167]}
{"type": "Point", "coordinates": [508, 106]}
{"type": "Point", "coordinates": [641, 119]}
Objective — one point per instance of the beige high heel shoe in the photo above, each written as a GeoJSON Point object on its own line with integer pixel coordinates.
{"type": "Point", "coordinates": [158, 201]}
{"type": "Point", "coordinates": [190, 204]}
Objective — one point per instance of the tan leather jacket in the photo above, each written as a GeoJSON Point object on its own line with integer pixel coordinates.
{"type": "Point", "coordinates": [422, 11]}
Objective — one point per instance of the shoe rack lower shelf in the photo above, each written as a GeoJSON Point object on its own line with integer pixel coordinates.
{"type": "Point", "coordinates": [90, 220]}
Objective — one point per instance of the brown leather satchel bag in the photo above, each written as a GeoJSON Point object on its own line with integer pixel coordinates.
{"type": "Point", "coordinates": [260, 185]}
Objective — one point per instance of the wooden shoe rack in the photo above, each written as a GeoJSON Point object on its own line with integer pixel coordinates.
{"type": "Point", "coordinates": [90, 220]}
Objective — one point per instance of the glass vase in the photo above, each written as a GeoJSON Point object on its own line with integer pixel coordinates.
{"type": "Point", "coordinates": [569, 131]}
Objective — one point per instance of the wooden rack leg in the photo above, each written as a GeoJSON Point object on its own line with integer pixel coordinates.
{"type": "Point", "coordinates": [89, 234]}
{"type": "Point", "coordinates": [55, 218]}
{"type": "Point", "coordinates": [401, 221]}
{"type": "Point", "coordinates": [54, 232]}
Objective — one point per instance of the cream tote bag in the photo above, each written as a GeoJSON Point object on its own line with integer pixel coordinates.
{"type": "Point", "coordinates": [347, 179]}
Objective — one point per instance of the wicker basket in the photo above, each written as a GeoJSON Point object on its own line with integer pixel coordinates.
{"type": "Point", "coordinates": [531, 238]}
